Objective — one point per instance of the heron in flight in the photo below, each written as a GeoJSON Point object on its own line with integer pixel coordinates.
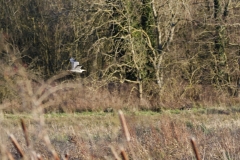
{"type": "Point", "coordinates": [75, 66]}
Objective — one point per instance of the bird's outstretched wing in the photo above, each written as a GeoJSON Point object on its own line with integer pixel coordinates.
{"type": "Point", "coordinates": [78, 67]}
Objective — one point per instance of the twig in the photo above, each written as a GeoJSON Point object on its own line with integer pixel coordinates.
{"type": "Point", "coordinates": [16, 145]}
{"type": "Point", "coordinates": [195, 149]}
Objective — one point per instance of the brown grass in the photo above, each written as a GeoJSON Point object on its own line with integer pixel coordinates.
{"type": "Point", "coordinates": [99, 136]}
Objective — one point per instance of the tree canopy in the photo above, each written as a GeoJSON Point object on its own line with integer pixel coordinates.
{"type": "Point", "coordinates": [173, 51]}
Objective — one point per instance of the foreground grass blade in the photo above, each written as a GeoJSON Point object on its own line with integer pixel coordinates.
{"type": "Point", "coordinates": [66, 157]}
{"type": "Point", "coordinates": [10, 156]}
{"type": "Point", "coordinates": [124, 125]}
{"type": "Point", "coordinates": [25, 132]}
{"type": "Point", "coordinates": [39, 157]}
{"type": "Point", "coordinates": [114, 153]}
{"type": "Point", "coordinates": [124, 154]}
{"type": "Point", "coordinates": [195, 149]}
{"type": "Point", "coordinates": [54, 153]}
{"type": "Point", "coordinates": [16, 145]}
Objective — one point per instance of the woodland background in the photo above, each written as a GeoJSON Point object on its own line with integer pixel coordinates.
{"type": "Point", "coordinates": [147, 54]}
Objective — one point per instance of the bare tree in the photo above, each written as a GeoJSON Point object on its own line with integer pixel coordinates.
{"type": "Point", "coordinates": [167, 15]}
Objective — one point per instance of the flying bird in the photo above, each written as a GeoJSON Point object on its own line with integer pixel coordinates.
{"type": "Point", "coordinates": [75, 66]}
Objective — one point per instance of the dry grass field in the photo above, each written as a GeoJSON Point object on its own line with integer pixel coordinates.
{"type": "Point", "coordinates": [100, 135]}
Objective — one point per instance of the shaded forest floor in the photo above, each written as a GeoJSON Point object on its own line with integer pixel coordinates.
{"type": "Point", "coordinates": [97, 135]}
